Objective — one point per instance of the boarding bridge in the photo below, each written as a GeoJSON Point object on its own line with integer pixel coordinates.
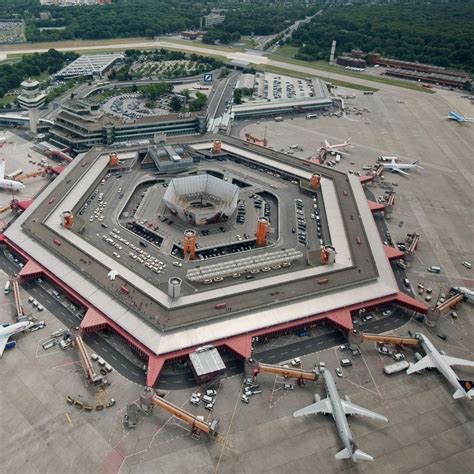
{"type": "Point", "coordinates": [149, 398]}
{"type": "Point", "coordinates": [92, 377]}
{"type": "Point", "coordinates": [20, 314]}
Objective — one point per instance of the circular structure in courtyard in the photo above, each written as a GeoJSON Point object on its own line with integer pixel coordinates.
{"type": "Point", "coordinates": [202, 199]}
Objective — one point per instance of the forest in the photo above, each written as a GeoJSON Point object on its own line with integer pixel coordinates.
{"type": "Point", "coordinates": [438, 33]}
{"type": "Point", "coordinates": [149, 18]}
{"type": "Point", "coordinates": [121, 19]}
{"type": "Point", "coordinates": [261, 20]}
{"type": "Point", "coordinates": [12, 75]}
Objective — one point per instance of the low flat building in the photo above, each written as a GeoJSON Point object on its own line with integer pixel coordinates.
{"type": "Point", "coordinates": [206, 363]}
{"type": "Point", "coordinates": [89, 66]}
{"type": "Point", "coordinates": [213, 19]}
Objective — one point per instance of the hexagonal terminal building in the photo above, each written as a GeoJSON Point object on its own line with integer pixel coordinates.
{"type": "Point", "coordinates": [202, 199]}
{"type": "Point", "coordinates": [237, 245]}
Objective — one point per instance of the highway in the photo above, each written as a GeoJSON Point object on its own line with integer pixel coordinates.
{"type": "Point", "coordinates": [220, 96]}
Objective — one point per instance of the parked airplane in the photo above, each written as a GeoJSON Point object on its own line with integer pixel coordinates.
{"type": "Point", "coordinates": [8, 330]}
{"type": "Point", "coordinates": [339, 147]}
{"type": "Point", "coordinates": [457, 117]}
{"type": "Point", "coordinates": [10, 184]}
{"type": "Point", "coordinates": [433, 359]}
{"type": "Point", "coordinates": [339, 409]}
{"type": "Point", "coordinates": [401, 167]}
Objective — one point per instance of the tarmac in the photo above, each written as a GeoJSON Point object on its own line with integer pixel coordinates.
{"type": "Point", "coordinates": [428, 431]}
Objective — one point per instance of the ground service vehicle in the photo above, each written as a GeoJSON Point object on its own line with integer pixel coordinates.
{"type": "Point", "coordinates": [397, 367]}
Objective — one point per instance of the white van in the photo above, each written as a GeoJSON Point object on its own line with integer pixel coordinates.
{"type": "Point", "coordinates": [467, 265]}
{"type": "Point", "coordinates": [346, 362]}
{"type": "Point", "coordinates": [101, 362]}
{"type": "Point", "coordinates": [35, 304]}
{"type": "Point", "coordinates": [30, 299]}
{"type": "Point", "coordinates": [207, 399]}
{"type": "Point", "coordinates": [40, 307]}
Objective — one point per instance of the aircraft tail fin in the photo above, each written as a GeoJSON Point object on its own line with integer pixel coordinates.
{"type": "Point", "coordinates": [360, 455]}
{"type": "Point", "coordinates": [356, 455]}
{"type": "Point", "coordinates": [467, 389]}
{"type": "Point", "coordinates": [343, 454]}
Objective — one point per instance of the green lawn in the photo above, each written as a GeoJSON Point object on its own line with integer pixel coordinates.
{"type": "Point", "coordinates": [247, 41]}
{"type": "Point", "coordinates": [286, 51]}
{"type": "Point", "coordinates": [7, 99]}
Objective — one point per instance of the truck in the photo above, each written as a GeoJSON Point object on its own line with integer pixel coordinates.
{"type": "Point", "coordinates": [396, 367]}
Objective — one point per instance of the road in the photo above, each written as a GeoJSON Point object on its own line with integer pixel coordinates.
{"type": "Point", "coordinates": [290, 30]}
{"type": "Point", "coordinates": [220, 96]}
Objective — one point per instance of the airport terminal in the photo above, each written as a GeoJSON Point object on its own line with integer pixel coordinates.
{"type": "Point", "coordinates": [236, 219]}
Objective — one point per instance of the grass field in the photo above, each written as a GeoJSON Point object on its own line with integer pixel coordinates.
{"type": "Point", "coordinates": [286, 51]}
{"type": "Point", "coordinates": [7, 99]}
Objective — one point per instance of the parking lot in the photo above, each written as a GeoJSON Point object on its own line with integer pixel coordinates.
{"type": "Point", "coordinates": [274, 87]}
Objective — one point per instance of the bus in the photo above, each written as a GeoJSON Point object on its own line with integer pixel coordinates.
{"type": "Point", "coordinates": [220, 305]}
{"type": "Point", "coordinates": [368, 92]}
{"type": "Point", "coordinates": [6, 290]}
{"type": "Point", "coordinates": [310, 116]}
{"type": "Point", "coordinates": [397, 367]}
{"type": "Point", "coordinates": [278, 119]}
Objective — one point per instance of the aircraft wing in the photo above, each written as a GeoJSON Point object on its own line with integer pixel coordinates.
{"type": "Point", "coordinates": [3, 343]}
{"type": "Point", "coordinates": [455, 361]}
{"type": "Point", "coordinates": [323, 406]}
{"type": "Point", "coordinates": [398, 170]}
{"type": "Point", "coordinates": [351, 409]}
{"type": "Point", "coordinates": [2, 169]}
{"type": "Point", "coordinates": [425, 363]}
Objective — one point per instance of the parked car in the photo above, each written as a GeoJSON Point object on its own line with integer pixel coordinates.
{"type": "Point", "coordinates": [338, 371]}
{"type": "Point", "coordinates": [296, 362]}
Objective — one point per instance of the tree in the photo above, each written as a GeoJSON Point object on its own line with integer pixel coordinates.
{"type": "Point", "coordinates": [198, 103]}
{"type": "Point", "coordinates": [175, 104]}
{"type": "Point", "coordinates": [237, 96]}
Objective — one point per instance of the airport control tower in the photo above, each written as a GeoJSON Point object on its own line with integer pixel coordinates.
{"type": "Point", "coordinates": [32, 99]}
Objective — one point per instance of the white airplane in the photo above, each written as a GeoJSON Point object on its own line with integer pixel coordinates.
{"type": "Point", "coordinates": [395, 167]}
{"type": "Point", "coordinates": [9, 184]}
{"type": "Point", "coordinates": [337, 148]}
{"type": "Point", "coordinates": [457, 117]}
{"type": "Point", "coordinates": [9, 330]}
{"type": "Point", "coordinates": [339, 409]}
{"type": "Point", "coordinates": [433, 359]}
